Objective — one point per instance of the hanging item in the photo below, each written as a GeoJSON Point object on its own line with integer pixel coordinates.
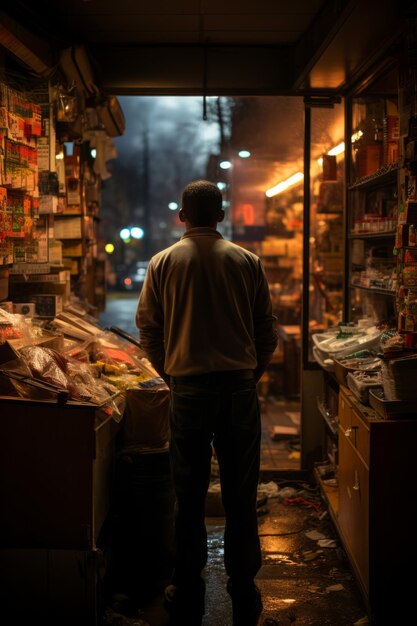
{"type": "Point", "coordinates": [76, 66]}
{"type": "Point", "coordinates": [111, 115]}
{"type": "Point", "coordinates": [329, 167]}
{"type": "Point", "coordinates": [66, 105]}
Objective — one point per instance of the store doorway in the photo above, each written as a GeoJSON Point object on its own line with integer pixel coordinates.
{"type": "Point", "coordinates": [252, 147]}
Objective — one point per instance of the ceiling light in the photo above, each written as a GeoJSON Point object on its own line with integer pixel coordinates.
{"type": "Point", "coordinates": [283, 185]}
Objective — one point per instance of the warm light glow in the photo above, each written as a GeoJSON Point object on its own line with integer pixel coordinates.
{"type": "Point", "coordinates": [60, 155]}
{"type": "Point", "coordinates": [282, 186]}
{"type": "Point", "coordinates": [244, 154]}
{"type": "Point", "coordinates": [337, 149]}
{"type": "Point", "coordinates": [225, 165]}
{"type": "Point", "coordinates": [127, 281]}
{"type": "Point", "coordinates": [333, 152]}
{"type": "Point", "coordinates": [109, 248]}
{"type": "Point", "coordinates": [356, 136]}
{"type": "Point", "coordinates": [93, 152]}
{"type": "Point", "coordinates": [173, 206]}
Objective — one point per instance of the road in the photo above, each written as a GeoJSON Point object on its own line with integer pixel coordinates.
{"type": "Point", "coordinates": [120, 311]}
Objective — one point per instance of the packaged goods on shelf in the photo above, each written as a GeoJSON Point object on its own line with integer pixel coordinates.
{"type": "Point", "coordinates": [361, 382]}
{"type": "Point", "coordinates": [364, 361]}
{"type": "Point", "coordinates": [391, 409]}
{"type": "Point", "coordinates": [399, 377]}
{"type": "Point", "coordinates": [335, 344]}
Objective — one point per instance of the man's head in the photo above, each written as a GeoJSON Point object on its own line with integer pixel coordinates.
{"type": "Point", "coordinates": [201, 204]}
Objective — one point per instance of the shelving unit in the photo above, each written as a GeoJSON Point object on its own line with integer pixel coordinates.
{"type": "Point", "coordinates": [374, 456]}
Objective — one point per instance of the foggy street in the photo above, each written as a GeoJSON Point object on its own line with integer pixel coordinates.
{"type": "Point", "coordinates": [120, 311]}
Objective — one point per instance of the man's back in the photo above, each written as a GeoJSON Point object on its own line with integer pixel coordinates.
{"type": "Point", "coordinates": [214, 300]}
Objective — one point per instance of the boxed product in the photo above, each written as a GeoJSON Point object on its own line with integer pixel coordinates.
{"type": "Point", "coordinates": [47, 305]}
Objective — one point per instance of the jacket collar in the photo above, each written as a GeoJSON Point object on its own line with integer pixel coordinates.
{"type": "Point", "coordinates": [202, 231]}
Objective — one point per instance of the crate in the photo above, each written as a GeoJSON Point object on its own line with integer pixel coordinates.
{"type": "Point", "coordinates": [391, 409]}
{"type": "Point", "coordinates": [399, 378]}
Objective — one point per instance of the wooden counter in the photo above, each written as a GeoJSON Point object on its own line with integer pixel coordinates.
{"type": "Point", "coordinates": [56, 466]}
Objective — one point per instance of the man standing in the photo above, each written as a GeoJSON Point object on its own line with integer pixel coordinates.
{"type": "Point", "coordinates": [205, 322]}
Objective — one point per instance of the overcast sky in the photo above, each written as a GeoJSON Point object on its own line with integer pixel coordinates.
{"type": "Point", "coordinates": [171, 122]}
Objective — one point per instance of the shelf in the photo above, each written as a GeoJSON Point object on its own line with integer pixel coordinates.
{"type": "Point", "coordinates": [384, 292]}
{"type": "Point", "coordinates": [330, 421]}
{"type": "Point", "coordinates": [381, 235]}
{"type": "Point", "coordinates": [384, 174]}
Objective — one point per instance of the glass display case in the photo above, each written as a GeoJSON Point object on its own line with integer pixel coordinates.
{"type": "Point", "coordinates": [372, 201]}
{"type": "Point", "coordinates": [324, 235]}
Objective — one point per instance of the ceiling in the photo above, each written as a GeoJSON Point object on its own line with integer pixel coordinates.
{"type": "Point", "coordinates": [208, 46]}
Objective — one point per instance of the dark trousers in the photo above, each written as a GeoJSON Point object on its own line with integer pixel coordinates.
{"type": "Point", "coordinates": [219, 409]}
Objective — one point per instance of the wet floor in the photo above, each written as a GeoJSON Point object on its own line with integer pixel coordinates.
{"type": "Point", "coordinates": [305, 578]}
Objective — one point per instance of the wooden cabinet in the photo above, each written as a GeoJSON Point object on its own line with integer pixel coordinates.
{"type": "Point", "coordinates": [377, 506]}
{"type": "Point", "coordinates": [56, 470]}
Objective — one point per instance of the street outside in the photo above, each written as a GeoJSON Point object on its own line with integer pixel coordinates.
{"type": "Point", "coordinates": [120, 311]}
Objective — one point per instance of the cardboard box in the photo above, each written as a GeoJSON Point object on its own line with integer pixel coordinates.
{"type": "Point", "coordinates": [47, 305]}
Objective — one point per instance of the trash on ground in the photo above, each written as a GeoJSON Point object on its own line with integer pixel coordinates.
{"type": "Point", "coordinates": [336, 587]}
{"type": "Point", "coordinates": [269, 489]}
{"type": "Point", "coordinates": [283, 432]}
{"type": "Point", "coordinates": [310, 555]}
{"type": "Point", "coordinates": [327, 543]}
{"type": "Point", "coordinates": [315, 535]}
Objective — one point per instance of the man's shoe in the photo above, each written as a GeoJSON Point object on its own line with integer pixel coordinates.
{"type": "Point", "coordinates": [246, 603]}
{"type": "Point", "coordinates": [185, 605]}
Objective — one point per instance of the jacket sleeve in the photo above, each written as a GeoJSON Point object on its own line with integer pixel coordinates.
{"type": "Point", "coordinates": [150, 322]}
{"type": "Point", "coordinates": [265, 331]}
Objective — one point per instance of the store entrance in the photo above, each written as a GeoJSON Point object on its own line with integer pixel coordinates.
{"type": "Point", "coordinates": [252, 148]}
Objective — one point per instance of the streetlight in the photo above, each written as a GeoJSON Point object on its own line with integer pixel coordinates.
{"type": "Point", "coordinates": [244, 154]}
{"type": "Point", "coordinates": [225, 165]}
{"type": "Point", "coordinates": [125, 234]}
{"type": "Point", "coordinates": [173, 206]}
{"type": "Point", "coordinates": [137, 232]}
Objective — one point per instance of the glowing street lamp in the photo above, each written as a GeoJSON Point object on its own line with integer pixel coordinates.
{"type": "Point", "coordinates": [124, 234]}
{"type": "Point", "coordinates": [173, 206]}
{"type": "Point", "coordinates": [225, 165]}
{"type": "Point", "coordinates": [109, 248]}
{"type": "Point", "coordinates": [244, 154]}
{"type": "Point", "coordinates": [137, 232]}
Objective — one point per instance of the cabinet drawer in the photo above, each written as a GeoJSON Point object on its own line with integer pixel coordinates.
{"type": "Point", "coordinates": [353, 515]}
{"type": "Point", "coordinates": [360, 436]}
{"type": "Point", "coordinates": [345, 409]}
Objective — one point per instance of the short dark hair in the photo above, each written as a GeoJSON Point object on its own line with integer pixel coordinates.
{"type": "Point", "coordinates": [201, 202]}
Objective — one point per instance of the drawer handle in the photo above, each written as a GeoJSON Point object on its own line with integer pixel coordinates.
{"type": "Point", "coordinates": [348, 431]}
{"type": "Point", "coordinates": [356, 486]}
